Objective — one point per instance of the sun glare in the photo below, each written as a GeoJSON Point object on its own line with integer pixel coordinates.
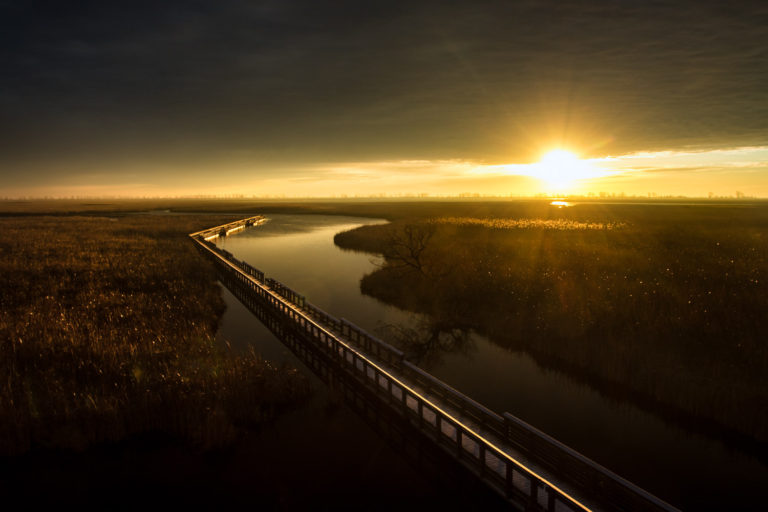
{"type": "Point", "coordinates": [560, 168]}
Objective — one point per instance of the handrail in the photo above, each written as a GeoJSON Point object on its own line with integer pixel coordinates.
{"type": "Point", "coordinates": [373, 344]}
{"type": "Point", "coordinates": [606, 487]}
{"type": "Point", "coordinates": [426, 410]}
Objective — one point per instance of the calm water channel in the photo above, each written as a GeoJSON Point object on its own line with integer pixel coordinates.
{"type": "Point", "coordinates": [689, 470]}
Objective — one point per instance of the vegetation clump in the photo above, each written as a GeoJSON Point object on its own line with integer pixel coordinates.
{"type": "Point", "coordinates": [669, 309]}
{"type": "Point", "coordinates": [525, 223]}
{"type": "Point", "coordinates": [107, 330]}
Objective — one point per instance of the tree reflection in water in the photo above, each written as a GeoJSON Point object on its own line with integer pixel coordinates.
{"type": "Point", "coordinates": [425, 340]}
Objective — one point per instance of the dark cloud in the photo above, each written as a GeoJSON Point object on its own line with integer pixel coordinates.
{"type": "Point", "coordinates": [329, 81]}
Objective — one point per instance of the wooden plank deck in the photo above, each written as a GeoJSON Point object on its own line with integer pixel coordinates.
{"type": "Point", "coordinates": [529, 468]}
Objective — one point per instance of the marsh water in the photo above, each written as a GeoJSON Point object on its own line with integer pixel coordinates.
{"type": "Point", "coordinates": [687, 468]}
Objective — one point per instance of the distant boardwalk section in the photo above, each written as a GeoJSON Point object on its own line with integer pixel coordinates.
{"type": "Point", "coordinates": [527, 467]}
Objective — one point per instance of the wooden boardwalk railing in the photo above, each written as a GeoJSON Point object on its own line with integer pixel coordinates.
{"type": "Point", "coordinates": [531, 469]}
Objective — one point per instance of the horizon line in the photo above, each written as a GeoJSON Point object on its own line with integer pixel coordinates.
{"type": "Point", "coordinates": [422, 196]}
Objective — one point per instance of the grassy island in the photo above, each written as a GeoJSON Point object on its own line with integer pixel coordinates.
{"type": "Point", "coordinates": [664, 303]}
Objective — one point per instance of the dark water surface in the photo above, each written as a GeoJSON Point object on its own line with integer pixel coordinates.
{"type": "Point", "coordinates": [690, 470]}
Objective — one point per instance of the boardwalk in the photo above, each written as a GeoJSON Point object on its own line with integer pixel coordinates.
{"type": "Point", "coordinates": [527, 467]}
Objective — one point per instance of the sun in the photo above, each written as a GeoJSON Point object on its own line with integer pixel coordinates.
{"type": "Point", "coordinates": [560, 168]}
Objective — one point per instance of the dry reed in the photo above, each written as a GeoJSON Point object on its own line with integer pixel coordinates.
{"type": "Point", "coordinates": [107, 330]}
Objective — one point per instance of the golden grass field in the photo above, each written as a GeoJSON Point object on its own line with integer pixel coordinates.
{"type": "Point", "coordinates": [107, 330]}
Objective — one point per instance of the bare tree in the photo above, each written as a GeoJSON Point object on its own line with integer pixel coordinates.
{"type": "Point", "coordinates": [406, 246]}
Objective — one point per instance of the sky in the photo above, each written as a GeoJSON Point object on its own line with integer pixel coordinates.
{"type": "Point", "coordinates": [314, 98]}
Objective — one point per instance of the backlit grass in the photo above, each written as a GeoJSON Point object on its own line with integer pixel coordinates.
{"type": "Point", "coordinates": [524, 223]}
{"type": "Point", "coordinates": [107, 330]}
{"type": "Point", "coordinates": [668, 307]}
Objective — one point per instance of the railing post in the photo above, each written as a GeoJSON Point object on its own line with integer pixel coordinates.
{"type": "Point", "coordinates": [420, 409]}
{"type": "Point", "coordinates": [533, 498]}
{"type": "Point", "coordinates": [550, 500]}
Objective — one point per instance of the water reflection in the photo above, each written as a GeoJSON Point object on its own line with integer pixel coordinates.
{"type": "Point", "coordinates": [425, 340]}
{"type": "Point", "coordinates": [692, 471]}
{"type": "Point", "coordinates": [357, 447]}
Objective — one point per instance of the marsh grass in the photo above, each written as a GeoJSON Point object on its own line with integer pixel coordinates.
{"type": "Point", "coordinates": [107, 330]}
{"type": "Point", "coordinates": [525, 223]}
{"type": "Point", "coordinates": [671, 307]}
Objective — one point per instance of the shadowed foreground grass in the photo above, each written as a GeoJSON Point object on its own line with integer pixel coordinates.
{"type": "Point", "coordinates": [107, 330]}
